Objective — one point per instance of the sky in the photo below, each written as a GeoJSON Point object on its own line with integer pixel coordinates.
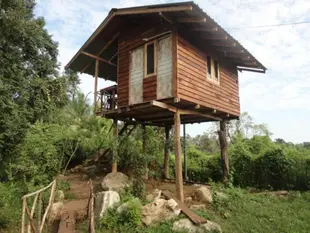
{"type": "Point", "coordinates": [280, 98]}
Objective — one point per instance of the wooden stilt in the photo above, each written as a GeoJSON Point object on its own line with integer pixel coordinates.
{"type": "Point", "coordinates": [144, 138]}
{"type": "Point", "coordinates": [115, 132]}
{"type": "Point", "coordinates": [178, 158]}
{"type": "Point", "coordinates": [96, 84]}
{"type": "Point", "coordinates": [184, 152]}
{"type": "Point", "coordinates": [224, 150]}
{"type": "Point", "coordinates": [167, 152]}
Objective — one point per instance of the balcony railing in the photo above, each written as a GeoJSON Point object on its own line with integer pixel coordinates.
{"type": "Point", "coordinates": [106, 99]}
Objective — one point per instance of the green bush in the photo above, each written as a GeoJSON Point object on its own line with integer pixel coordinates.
{"type": "Point", "coordinates": [130, 218]}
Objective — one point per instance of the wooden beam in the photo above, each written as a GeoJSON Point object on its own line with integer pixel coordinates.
{"type": "Point", "coordinates": [115, 150]}
{"type": "Point", "coordinates": [96, 84]}
{"type": "Point", "coordinates": [183, 111]}
{"type": "Point", "coordinates": [166, 155]}
{"type": "Point", "coordinates": [192, 20]}
{"type": "Point", "coordinates": [144, 143]}
{"type": "Point", "coordinates": [104, 48]}
{"type": "Point", "coordinates": [205, 29]}
{"type": "Point", "coordinates": [224, 150]}
{"type": "Point", "coordinates": [108, 44]}
{"type": "Point", "coordinates": [146, 10]}
{"type": "Point", "coordinates": [220, 44]}
{"type": "Point", "coordinates": [166, 18]}
{"type": "Point", "coordinates": [231, 50]}
{"type": "Point", "coordinates": [99, 58]}
{"type": "Point", "coordinates": [215, 38]}
{"type": "Point", "coordinates": [178, 158]}
{"type": "Point", "coordinates": [251, 70]}
{"type": "Point", "coordinates": [184, 152]}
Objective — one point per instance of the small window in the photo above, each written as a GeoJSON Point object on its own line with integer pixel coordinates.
{"type": "Point", "coordinates": [208, 67]}
{"type": "Point", "coordinates": [216, 71]}
{"type": "Point", "coordinates": [150, 59]}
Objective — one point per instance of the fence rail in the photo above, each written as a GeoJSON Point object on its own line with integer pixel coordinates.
{"type": "Point", "coordinates": [32, 225]}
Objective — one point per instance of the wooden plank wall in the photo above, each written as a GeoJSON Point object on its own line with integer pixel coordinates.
{"type": "Point", "coordinates": [150, 88]}
{"type": "Point", "coordinates": [129, 40]}
{"type": "Point", "coordinates": [193, 84]}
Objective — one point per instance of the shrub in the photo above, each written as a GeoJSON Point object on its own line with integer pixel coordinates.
{"type": "Point", "coordinates": [128, 219]}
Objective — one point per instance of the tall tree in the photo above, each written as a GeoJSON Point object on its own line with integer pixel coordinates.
{"type": "Point", "coordinates": [30, 86]}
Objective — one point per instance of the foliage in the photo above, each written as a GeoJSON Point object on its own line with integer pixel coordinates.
{"type": "Point", "coordinates": [128, 219]}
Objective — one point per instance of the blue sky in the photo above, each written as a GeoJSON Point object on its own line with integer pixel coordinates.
{"type": "Point", "coordinates": [280, 98]}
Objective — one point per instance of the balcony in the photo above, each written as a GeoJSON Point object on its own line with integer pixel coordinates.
{"type": "Point", "coordinates": [106, 100]}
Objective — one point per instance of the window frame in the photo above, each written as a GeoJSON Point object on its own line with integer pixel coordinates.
{"type": "Point", "coordinates": [211, 76]}
{"type": "Point", "coordinates": [216, 71]}
{"type": "Point", "coordinates": [146, 75]}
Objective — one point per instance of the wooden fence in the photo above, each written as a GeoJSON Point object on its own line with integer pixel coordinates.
{"type": "Point", "coordinates": [28, 221]}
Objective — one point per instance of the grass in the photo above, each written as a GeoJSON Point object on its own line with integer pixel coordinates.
{"type": "Point", "coordinates": [260, 213]}
{"type": "Point", "coordinates": [243, 213]}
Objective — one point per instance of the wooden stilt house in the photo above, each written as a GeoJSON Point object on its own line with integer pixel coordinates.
{"type": "Point", "coordinates": [171, 64]}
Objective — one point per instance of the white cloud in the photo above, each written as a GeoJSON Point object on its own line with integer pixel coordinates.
{"type": "Point", "coordinates": [283, 50]}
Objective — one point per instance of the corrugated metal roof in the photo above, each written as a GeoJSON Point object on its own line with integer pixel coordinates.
{"type": "Point", "coordinates": [209, 33]}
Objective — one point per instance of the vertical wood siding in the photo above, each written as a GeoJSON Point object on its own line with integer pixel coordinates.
{"type": "Point", "coordinates": [194, 86]}
{"type": "Point", "coordinates": [164, 71]}
{"type": "Point", "coordinates": [136, 76]}
{"type": "Point", "coordinates": [129, 40]}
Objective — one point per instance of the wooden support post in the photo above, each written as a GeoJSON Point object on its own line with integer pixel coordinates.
{"type": "Point", "coordinates": [96, 84]}
{"type": "Point", "coordinates": [115, 132]}
{"type": "Point", "coordinates": [224, 150]}
{"type": "Point", "coordinates": [178, 157]}
{"type": "Point", "coordinates": [144, 138]}
{"type": "Point", "coordinates": [167, 152]}
{"type": "Point", "coordinates": [23, 215]}
{"type": "Point", "coordinates": [184, 152]}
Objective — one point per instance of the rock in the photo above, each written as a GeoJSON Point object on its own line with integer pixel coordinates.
{"type": "Point", "coordinates": [59, 196]}
{"type": "Point", "coordinates": [203, 194]}
{"type": "Point", "coordinates": [55, 211]}
{"type": "Point", "coordinates": [154, 195]}
{"type": "Point", "coordinates": [188, 200]}
{"type": "Point", "coordinates": [221, 196]}
{"type": "Point", "coordinates": [160, 210]}
{"type": "Point", "coordinates": [115, 181]}
{"type": "Point", "coordinates": [185, 225]}
{"type": "Point", "coordinates": [105, 200]}
{"type": "Point", "coordinates": [198, 207]}
{"type": "Point", "coordinates": [125, 206]}
{"type": "Point", "coordinates": [211, 227]}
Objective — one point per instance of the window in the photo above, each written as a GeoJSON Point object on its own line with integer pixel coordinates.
{"type": "Point", "coordinates": [216, 70]}
{"type": "Point", "coordinates": [213, 73]}
{"type": "Point", "coordinates": [208, 67]}
{"type": "Point", "coordinates": [150, 59]}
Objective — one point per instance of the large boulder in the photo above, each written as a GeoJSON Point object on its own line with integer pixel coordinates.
{"type": "Point", "coordinates": [203, 194]}
{"type": "Point", "coordinates": [185, 225]}
{"type": "Point", "coordinates": [105, 200]}
{"type": "Point", "coordinates": [115, 181]}
{"type": "Point", "coordinates": [160, 210]}
{"type": "Point", "coordinates": [154, 195]}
